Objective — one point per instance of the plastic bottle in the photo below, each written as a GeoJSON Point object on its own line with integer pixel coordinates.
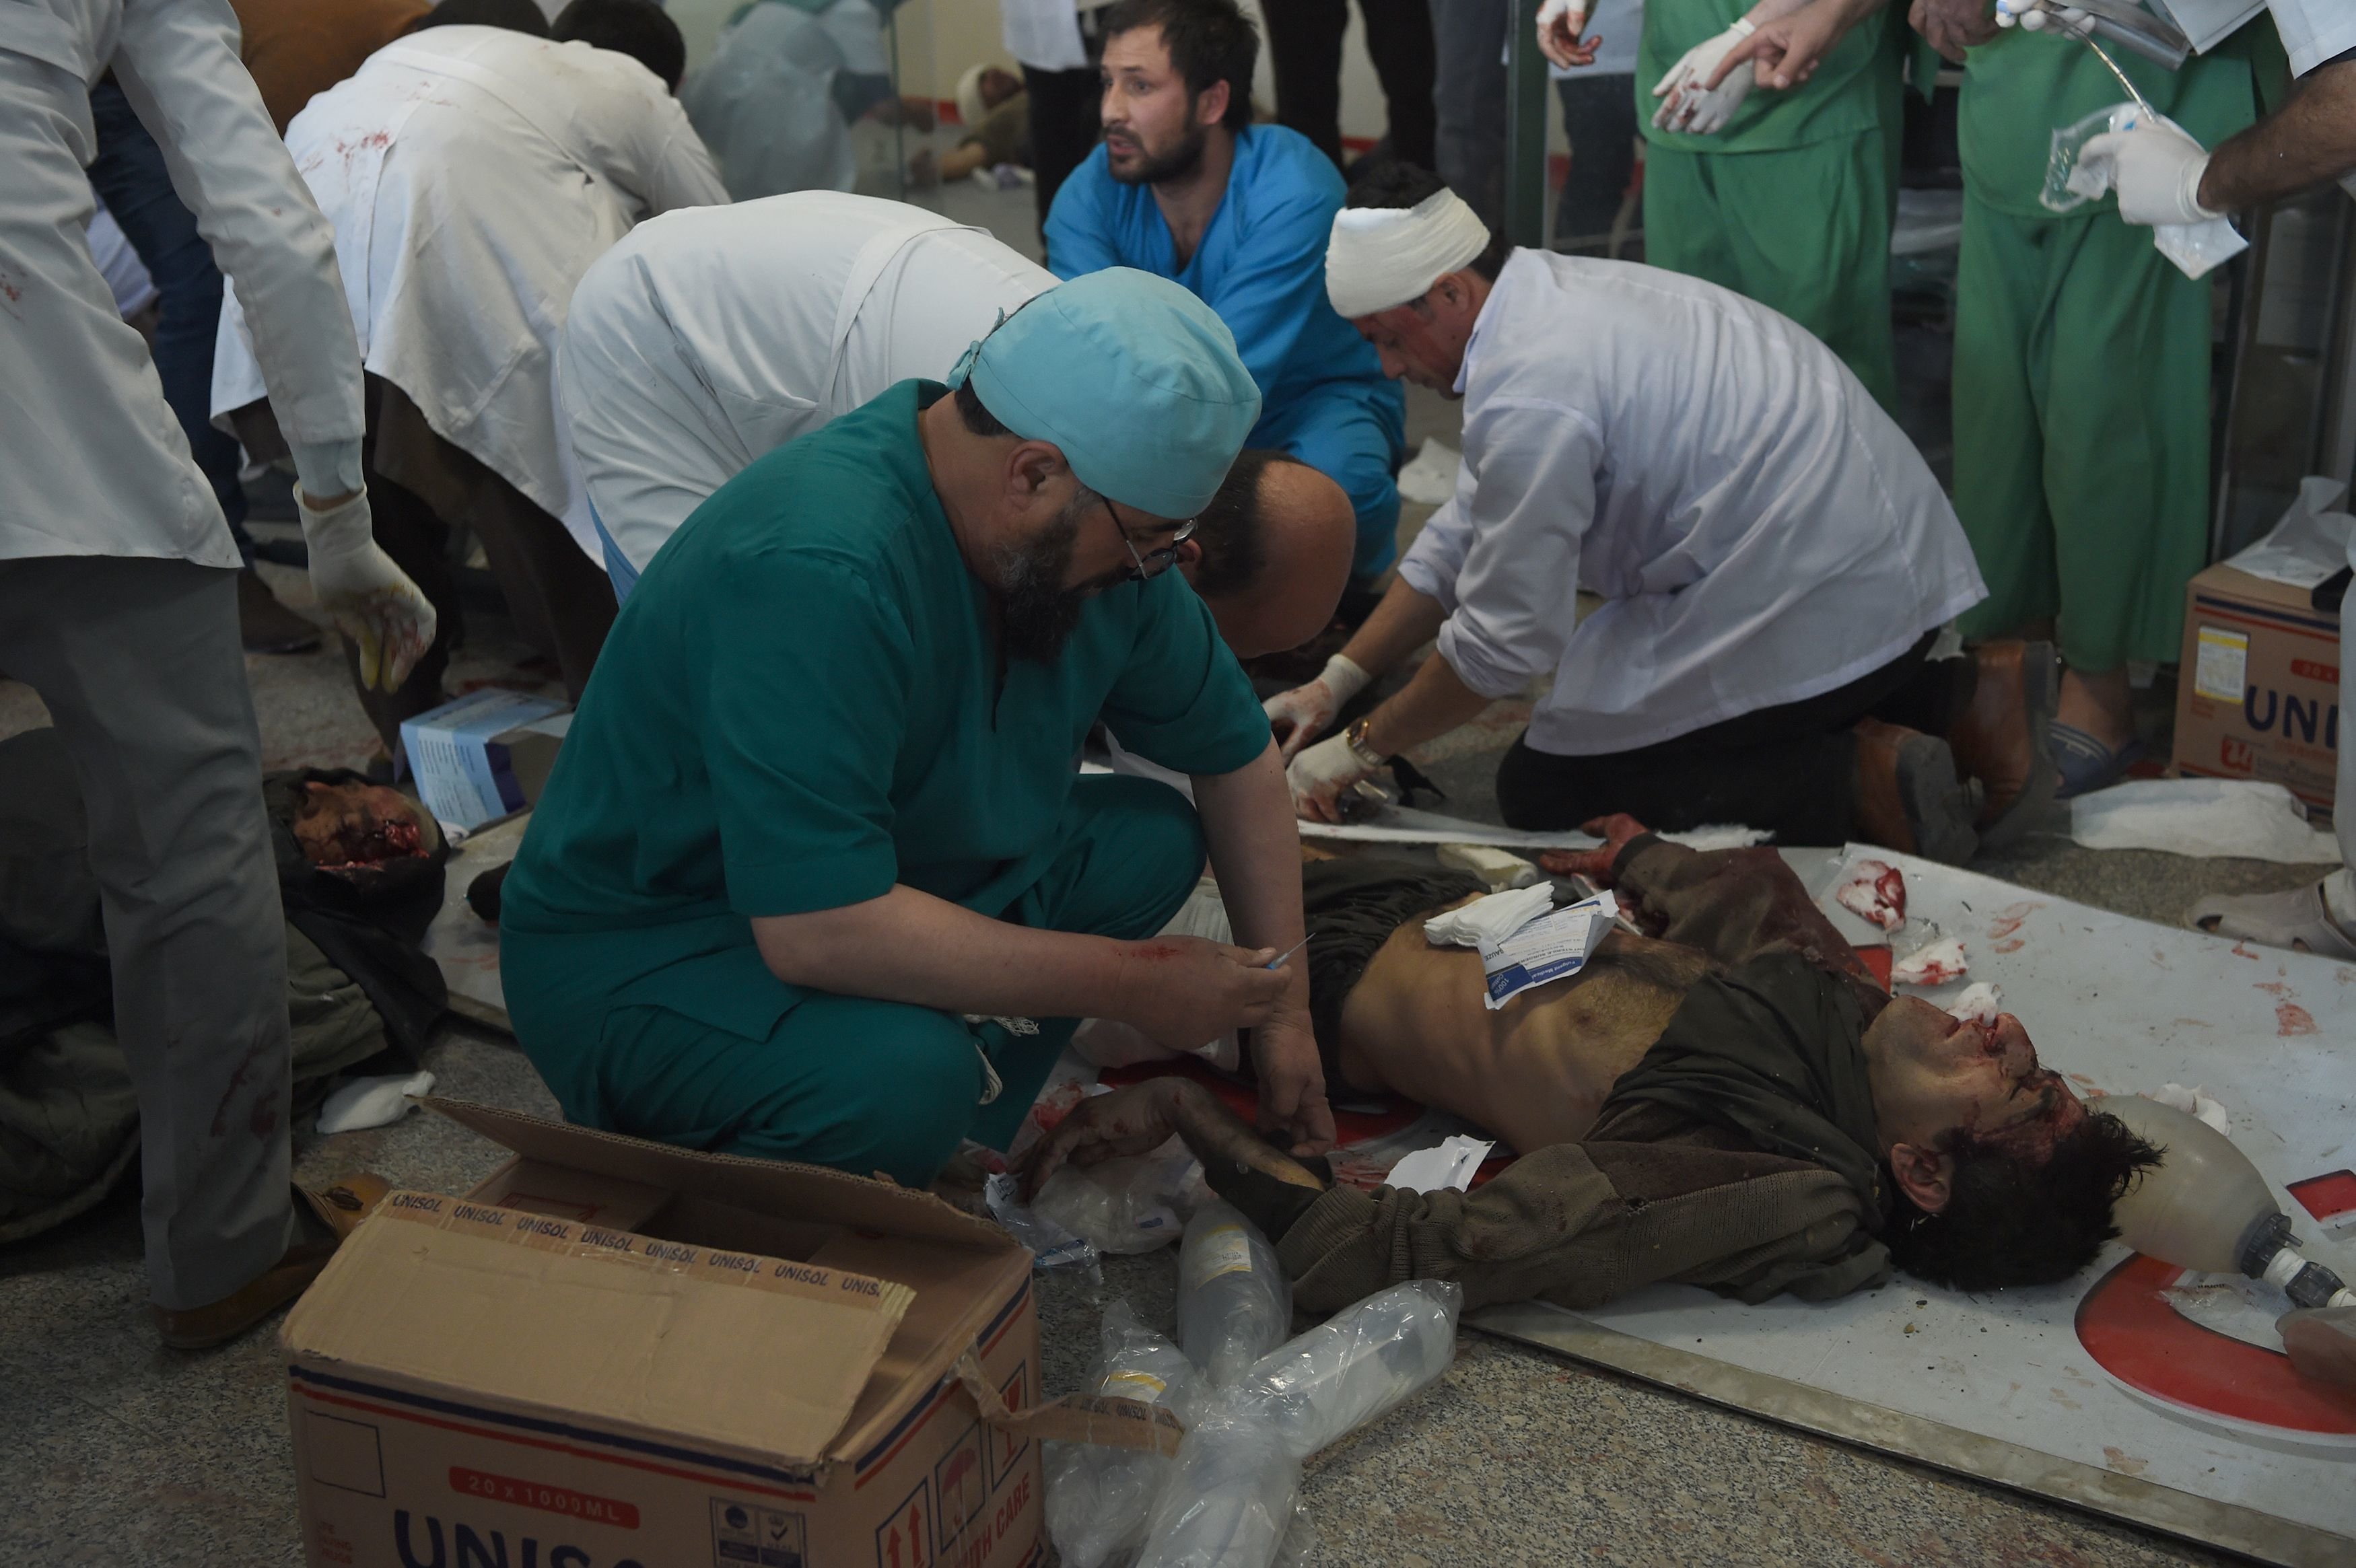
{"type": "Point", "coordinates": [2206, 1207]}
{"type": "Point", "coordinates": [1098, 1498]}
{"type": "Point", "coordinates": [1234, 1302]}
{"type": "Point", "coordinates": [1230, 1498]}
{"type": "Point", "coordinates": [1357, 1367]}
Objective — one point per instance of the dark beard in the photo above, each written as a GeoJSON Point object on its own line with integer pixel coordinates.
{"type": "Point", "coordinates": [1036, 613]}
{"type": "Point", "coordinates": [1176, 163]}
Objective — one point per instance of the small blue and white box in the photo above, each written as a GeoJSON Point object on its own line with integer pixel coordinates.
{"type": "Point", "coordinates": [486, 755]}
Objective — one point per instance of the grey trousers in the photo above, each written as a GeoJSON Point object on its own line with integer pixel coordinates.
{"type": "Point", "coordinates": [141, 665]}
{"type": "Point", "coordinates": [1468, 38]}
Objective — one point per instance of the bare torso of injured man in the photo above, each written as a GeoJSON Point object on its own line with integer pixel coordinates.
{"type": "Point", "coordinates": [1732, 1102]}
{"type": "Point", "coordinates": [814, 876]}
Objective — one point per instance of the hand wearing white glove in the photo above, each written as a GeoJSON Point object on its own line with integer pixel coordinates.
{"type": "Point", "coordinates": [1319, 775]}
{"type": "Point", "coordinates": [1299, 715]}
{"type": "Point", "coordinates": [1689, 107]}
{"type": "Point", "coordinates": [2157, 171]}
{"type": "Point", "coordinates": [1560, 22]}
{"type": "Point", "coordinates": [372, 600]}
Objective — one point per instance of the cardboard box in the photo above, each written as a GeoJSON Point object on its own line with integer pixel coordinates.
{"type": "Point", "coordinates": [2258, 694]}
{"type": "Point", "coordinates": [486, 755]}
{"type": "Point", "coordinates": [617, 1354]}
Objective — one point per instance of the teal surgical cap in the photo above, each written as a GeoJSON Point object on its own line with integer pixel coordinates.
{"type": "Point", "coordinates": [1134, 379]}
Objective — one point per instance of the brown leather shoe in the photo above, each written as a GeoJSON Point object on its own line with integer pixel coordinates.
{"type": "Point", "coordinates": [2001, 738]}
{"type": "Point", "coordinates": [219, 1322]}
{"type": "Point", "coordinates": [266, 625]}
{"type": "Point", "coordinates": [340, 1208]}
{"type": "Point", "coordinates": [1908, 798]}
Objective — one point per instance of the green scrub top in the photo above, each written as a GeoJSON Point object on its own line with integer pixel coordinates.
{"type": "Point", "coordinates": [2022, 87]}
{"type": "Point", "coordinates": [803, 703]}
{"type": "Point", "coordinates": [1853, 91]}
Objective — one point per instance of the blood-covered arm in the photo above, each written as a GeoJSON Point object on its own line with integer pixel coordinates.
{"type": "Point", "coordinates": [1733, 904]}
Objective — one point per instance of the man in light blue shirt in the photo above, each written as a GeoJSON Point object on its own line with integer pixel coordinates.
{"type": "Point", "coordinates": [1185, 185]}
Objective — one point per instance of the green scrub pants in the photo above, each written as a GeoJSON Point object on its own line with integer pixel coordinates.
{"type": "Point", "coordinates": [2082, 431]}
{"type": "Point", "coordinates": [1805, 231]}
{"type": "Point", "coordinates": [867, 1086]}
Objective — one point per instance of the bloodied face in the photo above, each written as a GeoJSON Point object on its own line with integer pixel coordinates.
{"type": "Point", "coordinates": [1935, 1074]}
{"type": "Point", "coordinates": [350, 827]}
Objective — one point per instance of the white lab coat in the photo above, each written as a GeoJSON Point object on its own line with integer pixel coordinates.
{"type": "Point", "coordinates": [709, 337]}
{"type": "Point", "coordinates": [94, 462]}
{"type": "Point", "coordinates": [473, 175]}
{"type": "Point", "coordinates": [1760, 530]}
{"type": "Point", "coordinates": [765, 101]}
{"type": "Point", "coordinates": [2312, 31]}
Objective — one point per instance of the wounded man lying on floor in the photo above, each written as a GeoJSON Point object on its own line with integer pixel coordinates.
{"type": "Point", "coordinates": [1731, 1102]}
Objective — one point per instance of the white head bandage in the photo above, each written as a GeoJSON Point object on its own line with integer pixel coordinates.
{"type": "Point", "coordinates": [1380, 257]}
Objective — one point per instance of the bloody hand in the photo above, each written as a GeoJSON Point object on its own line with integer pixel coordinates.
{"type": "Point", "coordinates": [1617, 831]}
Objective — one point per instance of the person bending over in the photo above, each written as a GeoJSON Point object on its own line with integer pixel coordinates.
{"type": "Point", "coordinates": [708, 337]}
{"type": "Point", "coordinates": [472, 173]}
{"type": "Point", "coordinates": [815, 877]}
{"type": "Point", "coordinates": [1774, 559]}
{"type": "Point", "coordinates": [1186, 186]}
{"type": "Point", "coordinates": [1729, 1102]}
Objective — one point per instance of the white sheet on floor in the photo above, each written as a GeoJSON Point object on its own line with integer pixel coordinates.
{"type": "Point", "coordinates": [2239, 817]}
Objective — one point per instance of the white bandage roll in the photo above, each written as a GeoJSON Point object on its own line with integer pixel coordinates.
{"type": "Point", "coordinates": [1381, 257]}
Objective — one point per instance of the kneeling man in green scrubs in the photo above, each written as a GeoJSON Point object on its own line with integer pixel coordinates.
{"type": "Point", "coordinates": [816, 878]}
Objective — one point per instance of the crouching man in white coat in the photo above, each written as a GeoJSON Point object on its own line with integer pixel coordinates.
{"type": "Point", "coordinates": [118, 604]}
{"type": "Point", "coordinates": [472, 174]}
{"type": "Point", "coordinates": [1773, 559]}
{"type": "Point", "coordinates": [709, 337]}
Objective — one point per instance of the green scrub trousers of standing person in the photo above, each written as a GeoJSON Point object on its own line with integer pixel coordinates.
{"type": "Point", "coordinates": [803, 704]}
{"type": "Point", "coordinates": [1791, 204]}
{"type": "Point", "coordinates": [2082, 397]}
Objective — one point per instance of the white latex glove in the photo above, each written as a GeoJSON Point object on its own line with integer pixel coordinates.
{"type": "Point", "coordinates": [2044, 17]}
{"type": "Point", "coordinates": [1319, 775]}
{"type": "Point", "coordinates": [372, 600]}
{"type": "Point", "coordinates": [1690, 109]}
{"type": "Point", "coordinates": [2157, 171]}
{"type": "Point", "coordinates": [1299, 715]}
{"type": "Point", "coordinates": [1559, 23]}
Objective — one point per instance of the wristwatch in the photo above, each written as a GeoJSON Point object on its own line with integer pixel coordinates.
{"type": "Point", "coordinates": [1354, 737]}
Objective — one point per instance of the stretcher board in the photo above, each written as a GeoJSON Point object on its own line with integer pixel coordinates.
{"type": "Point", "coordinates": [463, 943]}
{"type": "Point", "coordinates": [2133, 1390]}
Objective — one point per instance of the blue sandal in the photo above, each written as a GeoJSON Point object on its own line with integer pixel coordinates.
{"type": "Point", "coordinates": [2085, 763]}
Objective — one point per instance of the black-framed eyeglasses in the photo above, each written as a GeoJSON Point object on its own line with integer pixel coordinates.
{"type": "Point", "coordinates": [1157, 561]}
